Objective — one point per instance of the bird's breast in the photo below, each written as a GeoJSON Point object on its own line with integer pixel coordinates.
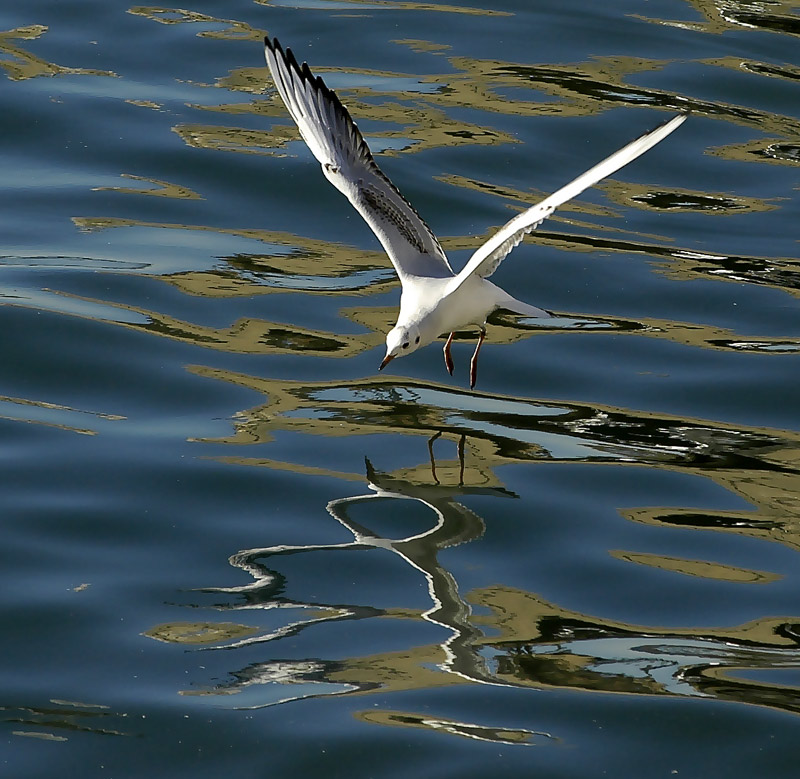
{"type": "Point", "coordinates": [437, 313]}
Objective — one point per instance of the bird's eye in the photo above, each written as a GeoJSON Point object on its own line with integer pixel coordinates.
{"type": "Point", "coordinates": [405, 345]}
{"type": "Point", "coordinates": [417, 340]}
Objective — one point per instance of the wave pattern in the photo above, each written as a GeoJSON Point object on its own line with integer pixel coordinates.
{"type": "Point", "coordinates": [229, 534]}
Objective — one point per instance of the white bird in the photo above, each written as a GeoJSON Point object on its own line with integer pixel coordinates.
{"type": "Point", "coordinates": [434, 300]}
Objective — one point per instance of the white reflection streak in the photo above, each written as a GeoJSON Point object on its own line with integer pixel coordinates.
{"type": "Point", "coordinates": [455, 523]}
{"type": "Point", "coordinates": [441, 584]}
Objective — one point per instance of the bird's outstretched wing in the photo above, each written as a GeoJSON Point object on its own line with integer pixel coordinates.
{"type": "Point", "coordinates": [484, 261]}
{"type": "Point", "coordinates": [347, 163]}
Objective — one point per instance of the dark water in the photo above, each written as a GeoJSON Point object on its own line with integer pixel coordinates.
{"type": "Point", "coordinates": [225, 551]}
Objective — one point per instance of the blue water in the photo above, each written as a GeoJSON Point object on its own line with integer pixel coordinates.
{"type": "Point", "coordinates": [226, 546]}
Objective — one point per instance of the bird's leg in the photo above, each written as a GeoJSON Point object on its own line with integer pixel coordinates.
{"type": "Point", "coordinates": [430, 452]}
{"type": "Point", "coordinates": [473, 363]}
{"type": "Point", "coordinates": [448, 360]}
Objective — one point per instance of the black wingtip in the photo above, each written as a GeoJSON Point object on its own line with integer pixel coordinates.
{"type": "Point", "coordinates": [304, 71]}
{"type": "Point", "coordinates": [274, 45]}
{"type": "Point", "coordinates": [287, 55]}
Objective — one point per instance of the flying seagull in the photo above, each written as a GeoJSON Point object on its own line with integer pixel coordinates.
{"type": "Point", "coordinates": [435, 300]}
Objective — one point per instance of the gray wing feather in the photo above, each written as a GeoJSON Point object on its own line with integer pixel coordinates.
{"type": "Point", "coordinates": [333, 138]}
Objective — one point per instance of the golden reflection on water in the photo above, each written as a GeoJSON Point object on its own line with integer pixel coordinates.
{"type": "Point", "coordinates": [423, 125]}
{"type": "Point", "coordinates": [314, 266]}
{"type": "Point", "coordinates": [70, 717]}
{"type": "Point", "coordinates": [774, 494]}
{"type": "Point", "coordinates": [775, 151]}
{"type": "Point", "coordinates": [698, 568]}
{"type": "Point", "coordinates": [20, 64]}
{"type": "Point", "coordinates": [398, 5]}
{"type": "Point", "coordinates": [48, 414]}
{"type": "Point", "coordinates": [722, 15]}
{"type": "Point", "coordinates": [678, 200]}
{"type": "Point", "coordinates": [575, 89]}
{"type": "Point", "coordinates": [417, 107]}
{"type": "Point", "coordinates": [244, 336]}
{"type": "Point", "coordinates": [199, 633]}
{"type": "Point", "coordinates": [508, 328]}
{"type": "Point", "coordinates": [232, 30]}
{"type": "Point", "coordinates": [759, 464]}
{"type": "Point", "coordinates": [235, 139]}
{"type": "Point", "coordinates": [162, 189]}
{"type": "Point", "coordinates": [517, 639]}
{"type": "Point", "coordinates": [404, 719]}
{"type": "Point", "coordinates": [306, 258]}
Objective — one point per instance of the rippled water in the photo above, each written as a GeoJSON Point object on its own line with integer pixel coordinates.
{"type": "Point", "coordinates": [230, 546]}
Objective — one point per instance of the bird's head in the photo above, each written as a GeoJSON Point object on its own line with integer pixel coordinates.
{"type": "Point", "coordinates": [400, 341]}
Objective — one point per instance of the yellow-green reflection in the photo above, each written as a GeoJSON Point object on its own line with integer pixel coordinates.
{"type": "Point", "coordinates": [572, 89]}
{"type": "Point", "coordinates": [199, 633]}
{"type": "Point", "coordinates": [722, 15]}
{"type": "Point", "coordinates": [146, 104]}
{"type": "Point", "coordinates": [65, 717]}
{"type": "Point", "coordinates": [245, 336]}
{"type": "Point", "coordinates": [313, 266]}
{"type": "Point", "coordinates": [231, 138]}
{"type": "Point", "coordinates": [308, 259]}
{"type": "Point", "coordinates": [518, 639]}
{"type": "Point", "coordinates": [403, 719]}
{"type": "Point", "coordinates": [20, 64]}
{"type": "Point", "coordinates": [162, 189]}
{"type": "Point", "coordinates": [44, 736]}
{"type": "Point", "coordinates": [507, 328]}
{"type": "Point", "coordinates": [232, 29]}
{"type": "Point", "coordinates": [685, 201]}
{"type": "Point", "coordinates": [423, 127]}
{"type": "Point", "coordinates": [775, 151]}
{"type": "Point", "coordinates": [501, 431]}
{"type": "Point", "coordinates": [261, 336]}
{"type": "Point", "coordinates": [48, 414]}
{"type": "Point", "coordinates": [404, 5]}
{"type": "Point", "coordinates": [700, 568]}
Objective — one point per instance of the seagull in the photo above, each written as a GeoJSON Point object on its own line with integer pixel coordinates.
{"type": "Point", "coordinates": [434, 300]}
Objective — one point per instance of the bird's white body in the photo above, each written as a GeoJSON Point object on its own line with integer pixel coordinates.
{"type": "Point", "coordinates": [428, 304]}
{"type": "Point", "coordinates": [435, 300]}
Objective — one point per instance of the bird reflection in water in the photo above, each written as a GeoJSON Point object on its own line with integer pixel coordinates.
{"type": "Point", "coordinates": [462, 439]}
{"type": "Point", "coordinates": [522, 642]}
{"type": "Point", "coordinates": [454, 524]}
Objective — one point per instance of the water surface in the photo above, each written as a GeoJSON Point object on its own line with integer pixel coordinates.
{"type": "Point", "coordinates": [230, 545]}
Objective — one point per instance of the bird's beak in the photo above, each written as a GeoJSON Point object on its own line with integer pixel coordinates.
{"type": "Point", "coordinates": [386, 361]}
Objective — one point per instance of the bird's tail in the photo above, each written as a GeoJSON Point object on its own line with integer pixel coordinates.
{"type": "Point", "coordinates": [518, 307]}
